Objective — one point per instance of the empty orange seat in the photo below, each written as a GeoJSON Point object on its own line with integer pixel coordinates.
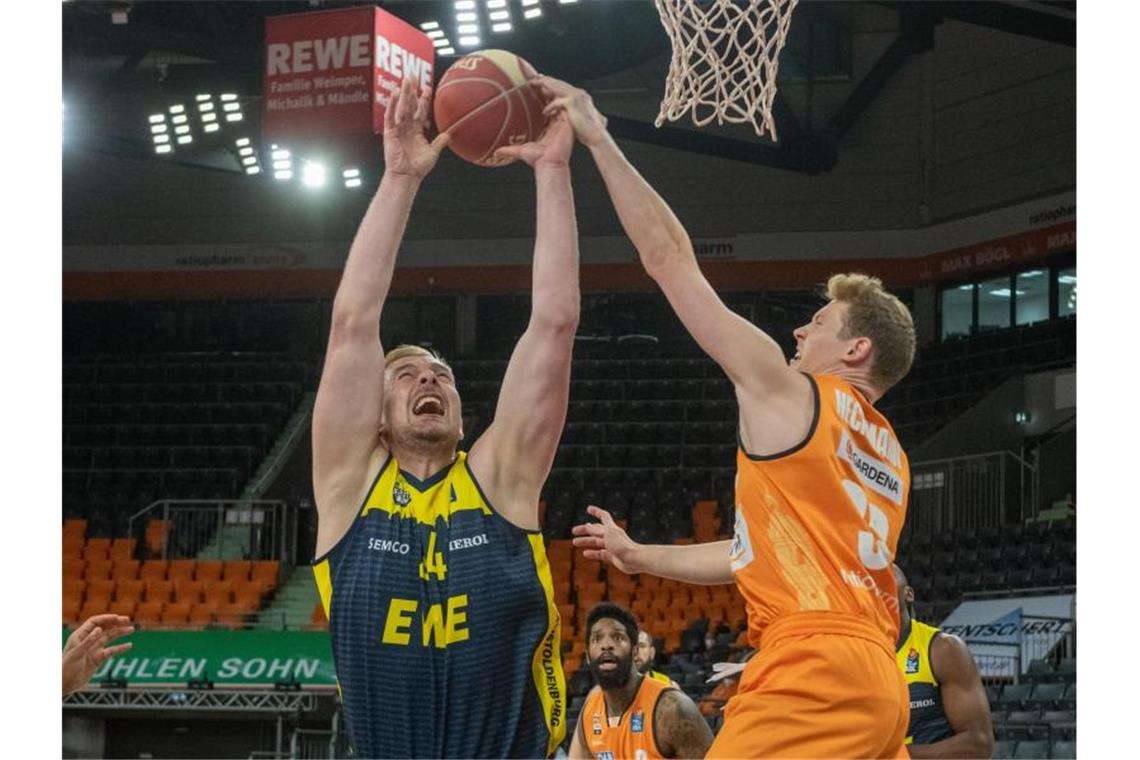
{"type": "Point", "coordinates": [208, 571]}
{"type": "Point", "coordinates": [123, 607]}
{"type": "Point", "coordinates": [125, 569]}
{"type": "Point", "coordinates": [203, 613]}
{"type": "Point", "coordinates": [318, 615]}
{"type": "Point", "coordinates": [188, 591]}
{"type": "Point", "coordinates": [75, 526]}
{"type": "Point", "coordinates": [237, 570]}
{"type": "Point", "coordinates": [180, 568]}
{"type": "Point", "coordinates": [96, 606]}
{"type": "Point", "coordinates": [249, 588]}
{"type": "Point", "coordinates": [248, 602]}
{"type": "Point", "coordinates": [156, 535]}
{"type": "Point", "coordinates": [176, 614]}
{"type": "Point", "coordinates": [73, 547]}
{"type": "Point", "coordinates": [265, 570]}
{"type": "Point", "coordinates": [71, 607]}
{"type": "Point", "coordinates": [74, 586]}
{"type": "Point", "coordinates": [96, 548]}
{"type": "Point", "coordinates": [73, 568]}
{"type": "Point", "coordinates": [100, 588]}
{"type": "Point", "coordinates": [159, 591]}
{"type": "Point", "coordinates": [97, 569]}
{"type": "Point", "coordinates": [126, 588]}
{"type": "Point", "coordinates": [153, 570]}
{"type": "Point", "coordinates": [148, 614]}
{"type": "Point", "coordinates": [123, 548]}
{"type": "Point", "coordinates": [231, 616]}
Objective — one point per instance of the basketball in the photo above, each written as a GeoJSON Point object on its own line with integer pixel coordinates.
{"type": "Point", "coordinates": [486, 102]}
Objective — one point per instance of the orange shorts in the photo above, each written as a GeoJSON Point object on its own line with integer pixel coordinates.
{"type": "Point", "coordinates": [823, 685]}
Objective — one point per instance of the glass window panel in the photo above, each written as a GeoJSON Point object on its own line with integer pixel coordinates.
{"type": "Point", "coordinates": [1067, 292]}
{"type": "Point", "coordinates": [1032, 297]}
{"type": "Point", "coordinates": [957, 311]}
{"type": "Point", "coordinates": [993, 304]}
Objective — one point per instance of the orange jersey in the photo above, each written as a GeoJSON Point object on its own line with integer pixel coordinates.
{"type": "Point", "coordinates": [817, 525]}
{"type": "Point", "coordinates": [629, 735]}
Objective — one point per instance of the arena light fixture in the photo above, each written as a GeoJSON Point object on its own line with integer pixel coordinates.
{"type": "Point", "coordinates": [427, 26]}
{"type": "Point", "coordinates": [435, 34]}
{"type": "Point", "coordinates": [160, 139]}
{"type": "Point", "coordinates": [157, 128]}
{"type": "Point", "coordinates": [499, 15]}
{"type": "Point", "coordinates": [227, 96]}
{"type": "Point", "coordinates": [205, 107]}
{"type": "Point", "coordinates": [283, 164]}
{"type": "Point", "coordinates": [231, 107]}
{"type": "Point", "coordinates": [179, 119]}
{"type": "Point", "coordinates": [466, 17]}
{"type": "Point", "coordinates": [211, 128]}
{"type": "Point", "coordinates": [492, 4]}
{"type": "Point", "coordinates": [245, 151]}
{"type": "Point", "coordinates": [503, 27]}
{"type": "Point", "coordinates": [184, 139]}
{"type": "Point", "coordinates": [464, 5]}
{"type": "Point", "coordinates": [283, 174]}
{"type": "Point", "coordinates": [1067, 279]}
{"type": "Point", "coordinates": [469, 41]}
{"type": "Point", "coordinates": [208, 117]}
{"type": "Point", "coordinates": [313, 174]}
{"type": "Point", "coordinates": [164, 148]}
{"type": "Point", "coordinates": [442, 43]}
{"type": "Point", "coordinates": [567, 2]}
{"type": "Point", "coordinates": [182, 129]}
{"type": "Point", "coordinates": [234, 116]}
{"type": "Point", "coordinates": [241, 142]}
{"type": "Point", "coordinates": [177, 109]}
{"type": "Point", "coordinates": [280, 152]}
{"type": "Point", "coordinates": [201, 98]}
{"type": "Point", "coordinates": [253, 170]}
{"type": "Point", "coordinates": [352, 178]}
{"type": "Point", "coordinates": [532, 12]}
{"type": "Point", "coordinates": [467, 29]}
{"type": "Point", "coordinates": [249, 161]}
{"type": "Point", "coordinates": [446, 51]}
{"type": "Point", "coordinates": [157, 118]}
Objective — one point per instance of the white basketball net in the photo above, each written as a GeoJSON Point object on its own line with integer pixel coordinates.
{"type": "Point", "coordinates": [725, 57]}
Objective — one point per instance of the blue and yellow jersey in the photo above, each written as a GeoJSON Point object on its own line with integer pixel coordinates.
{"type": "Point", "coordinates": [928, 722]}
{"type": "Point", "coordinates": [444, 629]}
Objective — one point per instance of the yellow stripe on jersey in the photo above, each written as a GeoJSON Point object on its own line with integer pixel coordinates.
{"type": "Point", "coordinates": [546, 665]}
{"type": "Point", "coordinates": [395, 495]}
{"type": "Point", "coordinates": [914, 655]}
{"type": "Point", "coordinates": [324, 585]}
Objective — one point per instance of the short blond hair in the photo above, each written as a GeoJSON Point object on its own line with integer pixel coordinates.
{"type": "Point", "coordinates": [876, 314]}
{"type": "Point", "coordinates": [405, 350]}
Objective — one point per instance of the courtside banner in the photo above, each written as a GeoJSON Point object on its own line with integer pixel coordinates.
{"type": "Point", "coordinates": [1005, 635]}
{"type": "Point", "coordinates": [238, 658]}
{"type": "Point", "coordinates": [330, 73]}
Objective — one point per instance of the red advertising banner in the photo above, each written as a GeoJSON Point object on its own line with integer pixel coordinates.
{"type": "Point", "coordinates": [328, 74]}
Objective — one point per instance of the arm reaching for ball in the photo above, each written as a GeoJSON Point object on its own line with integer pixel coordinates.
{"type": "Point", "coordinates": [701, 564]}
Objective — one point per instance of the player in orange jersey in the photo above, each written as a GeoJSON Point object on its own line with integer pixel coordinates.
{"type": "Point", "coordinates": [631, 714]}
{"type": "Point", "coordinates": [821, 491]}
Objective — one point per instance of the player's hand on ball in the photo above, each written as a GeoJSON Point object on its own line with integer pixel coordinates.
{"type": "Point", "coordinates": [606, 541]}
{"type": "Point", "coordinates": [552, 149]}
{"type": "Point", "coordinates": [407, 151]}
{"type": "Point", "coordinates": [588, 122]}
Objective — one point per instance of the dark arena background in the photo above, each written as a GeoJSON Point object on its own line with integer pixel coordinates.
{"type": "Point", "coordinates": [932, 144]}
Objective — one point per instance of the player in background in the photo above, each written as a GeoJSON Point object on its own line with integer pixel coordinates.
{"type": "Point", "coordinates": [949, 710]}
{"type": "Point", "coordinates": [821, 490]}
{"type": "Point", "coordinates": [431, 566]}
{"type": "Point", "coordinates": [631, 714]}
{"type": "Point", "coordinates": [645, 652]}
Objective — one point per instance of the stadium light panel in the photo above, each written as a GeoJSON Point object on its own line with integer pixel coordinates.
{"type": "Point", "coordinates": [182, 129]}
{"type": "Point", "coordinates": [468, 41]}
{"type": "Point", "coordinates": [466, 17]}
{"type": "Point", "coordinates": [208, 117]}
{"type": "Point", "coordinates": [567, 2]}
{"type": "Point", "coordinates": [184, 139]}
{"type": "Point", "coordinates": [158, 139]}
{"type": "Point", "coordinates": [177, 109]}
{"type": "Point", "coordinates": [281, 152]}
{"type": "Point", "coordinates": [253, 170]}
{"type": "Point", "coordinates": [165, 148]}
{"type": "Point", "coordinates": [205, 107]}
{"type": "Point", "coordinates": [245, 151]}
{"type": "Point", "coordinates": [442, 43]}
{"type": "Point", "coordinates": [464, 5]}
{"type": "Point", "coordinates": [233, 116]}
{"type": "Point", "coordinates": [532, 13]}
{"type": "Point", "coordinates": [211, 128]}
{"type": "Point", "coordinates": [355, 182]}
{"type": "Point", "coordinates": [467, 29]}
{"type": "Point", "coordinates": [499, 15]}
{"type": "Point", "coordinates": [157, 118]}
{"type": "Point", "coordinates": [350, 173]}
{"type": "Point", "coordinates": [228, 97]}
{"type": "Point", "coordinates": [503, 27]}
{"type": "Point", "coordinates": [313, 174]}
{"type": "Point", "coordinates": [231, 107]}
{"type": "Point", "coordinates": [158, 128]}
{"type": "Point", "coordinates": [241, 142]}
{"type": "Point", "coordinates": [436, 34]}
{"type": "Point", "coordinates": [283, 175]}
{"type": "Point", "coordinates": [283, 164]}
{"type": "Point", "coordinates": [446, 51]}
{"type": "Point", "coordinates": [179, 119]}
{"type": "Point", "coordinates": [201, 98]}
{"type": "Point", "coordinates": [249, 160]}
{"type": "Point", "coordinates": [1067, 279]}
{"type": "Point", "coordinates": [492, 4]}
{"type": "Point", "coordinates": [427, 26]}
{"type": "Point", "coordinates": [528, 3]}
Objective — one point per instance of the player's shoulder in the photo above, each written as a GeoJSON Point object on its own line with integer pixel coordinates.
{"type": "Point", "coordinates": [660, 678]}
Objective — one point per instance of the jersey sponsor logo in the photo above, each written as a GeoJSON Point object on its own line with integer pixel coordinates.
{"type": "Point", "coordinates": [880, 438]}
{"type": "Point", "coordinates": [912, 663]}
{"type": "Point", "coordinates": [437, 627]}
{"type": "Point", "coordinates": [874, 474]}
{"type": "Point", "coordinates": [918, 704]}
{"type": "Point", "coordinates": [605, 756]}
{"type": "Point", "coordinates": [597, 725]}
{"type": "Point", "coordinates": [469, 542]}
{"type": "Point", "coordinates": [637, 722]}
{"type": "Point", "coordinates": [740, 553]}
{"type": "Point", "coordinates": [401, 496]}
{"type": "Point", "coordinates": [388, 545]}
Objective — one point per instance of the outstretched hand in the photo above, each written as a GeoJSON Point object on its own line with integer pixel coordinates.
{"type": "Point", "coordinates": [407, 151]}
{"type": "Point", "coordinates": [553, 148]}
{"type": "Point", "coordinates": [86, 648]}
{"type": "Point", "coordinates": [588, 122]}
{"type": "Point", "coordinates": [606, 541]}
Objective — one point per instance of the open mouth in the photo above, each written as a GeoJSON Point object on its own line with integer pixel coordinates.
{"type": "Point", "coordinates": [429, 405]}
{"type": "Point", "coordinates": [607, 663]}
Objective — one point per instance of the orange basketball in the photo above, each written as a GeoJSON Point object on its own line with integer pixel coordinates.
{"type": "Point", "coordinates": [485, 100]}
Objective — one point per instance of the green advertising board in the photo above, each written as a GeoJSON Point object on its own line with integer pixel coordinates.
{"type": "Point", "coordinates": [244, 658]}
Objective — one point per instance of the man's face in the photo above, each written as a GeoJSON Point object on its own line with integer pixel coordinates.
{"type": "Point", "coordinates": [421, 403]}
{"type": "Point", "coordinates": [818, 345]}
{"type": "Point", "coordinates": [906, 593]}
{"type": "Point", "coordinates": [611, 653]}
{"type": "Point", "coordinates": [644, 652]}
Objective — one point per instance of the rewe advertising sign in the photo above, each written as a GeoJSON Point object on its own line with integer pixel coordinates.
{"type": "Point", "coordinates": [328, 75]}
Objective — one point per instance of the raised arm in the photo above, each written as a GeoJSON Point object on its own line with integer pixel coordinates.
{"type": "Point", "coordinates": [964, 701]}
{"type": "Point", "coordinates": [513, 456]}
{"type": "Point", "coordinates": [706, 564]}
{"type": "Point", "coordinates": [768, 389]}
{"type": "Point", "coordinates": [680, 728]}
{"type": "Point", "coordinates": [350, 398]}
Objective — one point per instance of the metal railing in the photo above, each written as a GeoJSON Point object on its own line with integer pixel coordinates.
{"type": "Point", "coordinates": [215, 529]}
{"type": "Point", "coordinates": [1012, 661]}
{"type": "Point", "coordinates": [985, 490]}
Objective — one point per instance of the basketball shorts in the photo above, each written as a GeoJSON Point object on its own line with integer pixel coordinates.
{"type": "Point", "coordinates": [823, 685]}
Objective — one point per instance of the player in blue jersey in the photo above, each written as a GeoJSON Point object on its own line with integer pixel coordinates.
{"type": "Point", "coordinates": [949, 711]}
{"type": "Point", "coordinates": [430, 562]}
